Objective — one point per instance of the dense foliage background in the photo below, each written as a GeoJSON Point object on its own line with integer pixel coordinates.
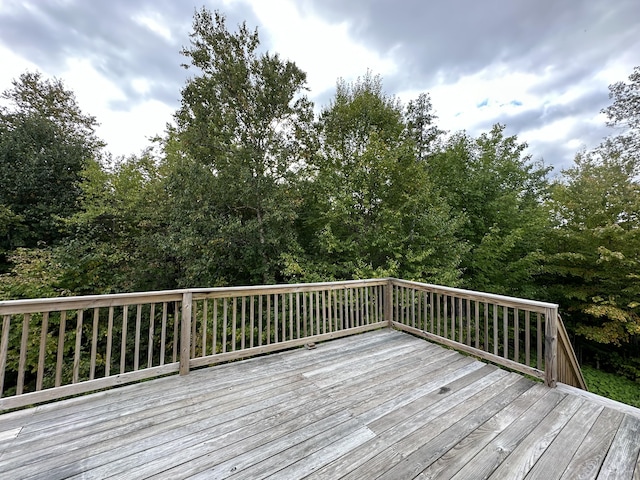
{"type": "Point", "coordinates": [251, 186]}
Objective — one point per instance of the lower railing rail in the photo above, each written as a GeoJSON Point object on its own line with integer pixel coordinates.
{"type": "Point", "coordinates": [57, 347]}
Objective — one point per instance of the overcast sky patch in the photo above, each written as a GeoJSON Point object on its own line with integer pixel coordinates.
{"type": "Point", "coordinates": [542, 68]}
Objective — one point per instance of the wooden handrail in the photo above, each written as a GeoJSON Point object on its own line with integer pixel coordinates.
{"type": "Point", "coordinates": [525, 335]}
{"type": "Point", "coordinates": [51, 348]}
{"type": "Point", "coordinates": [70, 345]}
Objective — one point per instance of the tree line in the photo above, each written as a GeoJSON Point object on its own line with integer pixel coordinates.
{"type": "Point", "coordinates": [249, 185]}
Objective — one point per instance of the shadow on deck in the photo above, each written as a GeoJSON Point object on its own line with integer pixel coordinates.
{"type": "Point", "coordinates": [383, 404]}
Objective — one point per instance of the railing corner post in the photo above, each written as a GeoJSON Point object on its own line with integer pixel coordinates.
{"type": "Point", "coordinates": [185, 332]}
{"type": "Point", "coordinates": [388, 302]}
{"type": "Point", "coordinates": [551, 347]}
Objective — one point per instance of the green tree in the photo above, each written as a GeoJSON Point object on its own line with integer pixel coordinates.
{"type": "Point", "coordinates": [115, 241]}
{"type": "Point", "coordinates": [369, 208]}
{"type": "Point", "coordinates": [624, 113]}
{"type": "Point", "coordinates": [500, 192]}
{"type": "Point", "coordinates": [242, 126]}
{"type": "Point", "coordinates": [45, 142]}
{"type": "Point", "coordinates": [594, 264]}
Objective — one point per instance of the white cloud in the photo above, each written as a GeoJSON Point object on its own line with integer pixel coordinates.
{"type": "Point", "coordinates": [154, 22]}
{"type": "Point", "coordinates": [324, 51]}
{"type": "Point", "coordinates": [126, 132]}
{"type": "Point", "coordinates": [12, 66]}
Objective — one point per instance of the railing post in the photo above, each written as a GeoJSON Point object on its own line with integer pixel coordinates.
{"type": "Point", "coordinates": [185, 333]}
{"type": "Point", "coordinates": [388, 302]}
{"type": "Point", "coordinates": [551, 347]}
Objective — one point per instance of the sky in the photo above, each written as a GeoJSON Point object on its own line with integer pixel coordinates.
{"type": "Point", "coordinates": [540, 67]}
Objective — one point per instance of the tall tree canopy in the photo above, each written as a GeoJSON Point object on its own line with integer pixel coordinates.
{"type": "Point", "coordinates": [500, 191]}
{"type": "Point", "coordinates": [244, 118]}
{"type": "Point", "coordinates": [45, 142]}
{"type": "Point", "coordinates": [595, 247]}
{"type": "Point", "coordinates": [370, 208]}
{"type": "Point", "coordinates": [624, 112]}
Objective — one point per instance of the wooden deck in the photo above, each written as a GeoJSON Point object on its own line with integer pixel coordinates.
{"type": "Point", "coordinates": [378, 405]}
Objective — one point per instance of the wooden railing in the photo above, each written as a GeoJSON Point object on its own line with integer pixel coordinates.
{"type": "Point", "coordinates": [569, 371]}
{"type": "Point", "coordinates": [52, 348]}
{"type": "Point", "coordinates": [523, 335]}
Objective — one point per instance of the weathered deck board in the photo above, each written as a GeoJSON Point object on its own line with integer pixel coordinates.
{"type": "Point", "coordinates": [377, 405]}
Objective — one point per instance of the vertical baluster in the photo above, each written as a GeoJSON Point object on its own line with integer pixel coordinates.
{"type": "Point", "coordinates": [275, 318]}
{"type": "Point", "coordinates": [476, 311]}
{"type": "Point", "coordinates": [136, 346]}
{"type": "Point", "coordinates": [527, 338]}
{"type": "Point", "coordinates": [311, 317]}
{"type": "Point", "coordinates": [234, 323]}
{"type": "Point", "coordinates": [336, 319]}
{"type": "Point", "coordinates": [194, 326]}
{"type": "Point", "coordinates": [163, 332]}
{"type": "Point", "coordinates": [78, 346]}
{"type": "Point", "coordinates": [176, 325]}
{"type": "Point", "coordinates": [268, 319]}
{"type": "Point", "coordinates": [152, 319]}
{"type": "Point", "coordinates": [26, 318]}
{"type": "Point", "coordinates": [516, 335]}
{"type": "Point", "coordinates": [421, 310]}
{"type": "Point", "coordinates": [244, 323]}
{"type": "Point", "coordinates": [505, 331]}
{"type": "Point", "coordinates": [214, 327]}
{"type": "Point", "coordinates": [260, 320]}
{"type": "Point", "coordinates": [366, 305]}
{"type": "Point", "coordinates": [252, 314]}
{"type": "Point", "coordinates": [461, 338]}
{"type": "Point", "coordinates": [4, 350]}
{"type": "Point", "coordinates": [347, 307]}
{"type": "Point", "coordinates": [94, 343]}
{"type": "Point", "coordinates": [304, 314]}
{"type": "Point", "coordinates": [291, 332]}
{"type": "Point", "coordinates": [298, 314]}
{"type": "Point", "coordinates": [452, 316]}
{"type": "Point", "coordinates": [486, 327]}
{"type": "Point", "coordinates": [495, 329]}
{"type": "Point", "coordinates": [431, 312]}
{"type": "Point", "coordinates": [123, 341]}
{"type": "Point", "coordinates": [438, 301]}
{"type": "Point", "coordinates": [318, 313]}
{"type": "Point", "coordinates": [60, 354]}
{"type": "Point", "coordinates": [446, 323]}
{"type": "Point", "coordinates": [413, 308]}
{"type": "Point", "coordinates": [469, 333]}
{"type": "Point", "coordinates": [395, 303]}
{"type": "Point", "coordinates": [225, 316]}
{"type": "Point", "coordinates": [107, 361]}
{"type": "Point", "coordinates": [539, 341]}
{"type": "Point", "coordinates": [283, 332]}
{"type": "Point", "coordinates": [41, 354]}
{"type": "Point", "coordinates": [343, 320]}
{"type": "Point", "coordinates": [205, 326]}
